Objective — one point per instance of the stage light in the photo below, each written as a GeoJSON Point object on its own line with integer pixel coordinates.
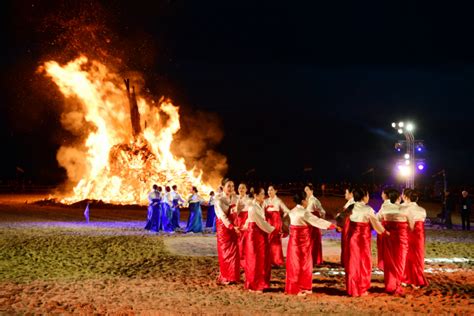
{"type": "Point", "coordinates": [407, 156]}
{"type": "Point", "coordinates": [419, 149]}
{"type": "Point", "coordinates": [401, 124]}
{"type": "Point", "coordinates": [420, 165]}
{"type": "Point", "coordinates": [394, 125]}
{"type": "Point", "coordinates": [400, 131]}
{"type": "Point", "coordinates": [410, 127]}
{"type": "Point", "coordinates": [404, 171]}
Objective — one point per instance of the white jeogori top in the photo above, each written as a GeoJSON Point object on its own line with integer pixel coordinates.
{"type": "Point", "coordinates": [416, 212]}
{"type": "Point", "coordinates": [256, 214]}
{"type": "Point", "coordinates": [176, 196]}
{"type": "Point", "coordinates": [195, 198]}
{"type": "Point", "coordinates": [168, 198]}
{"type": "Point", "coordinates": [275, 204]}
{"type": "Point", "coordinates": [153, 195]}
{"type": "Point", "coordinates": [299, 216]}
{"type": "Point", "coordinates": [223, 207]}
{"type": "Point", "coordinates": [391, 212]}
{"type": "Point", "coordinates": [362, 213]}
{"type": "Point", "coordinates": [314, 205]}
{"type": "Point", "coordinates": [243, 202]}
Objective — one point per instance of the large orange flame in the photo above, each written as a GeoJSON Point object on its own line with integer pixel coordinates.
{"type": "Point", "coordinates": [110, 164]}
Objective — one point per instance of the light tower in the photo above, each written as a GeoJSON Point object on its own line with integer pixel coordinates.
{"type": "Point", "coordinates": [409, 166]}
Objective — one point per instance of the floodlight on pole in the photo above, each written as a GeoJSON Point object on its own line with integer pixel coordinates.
{"type": "Point", "coordinates": [407, 168]}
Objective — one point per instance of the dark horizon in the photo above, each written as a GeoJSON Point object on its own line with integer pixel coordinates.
{"type": "Point", "coordinates": [295, 87]}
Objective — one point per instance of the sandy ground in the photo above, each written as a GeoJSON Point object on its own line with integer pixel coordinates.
{"type": "Point", "coordinates": [51, 261]}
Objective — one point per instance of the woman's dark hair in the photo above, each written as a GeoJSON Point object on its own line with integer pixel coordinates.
{"type": "Point", "coordinates": [160, 189]}
{"type": "Point", "coordinates": [407, 191]}
{"type": "Point", "coordinates": [155, 187]}
{"type": "Point", "coordinates": [174, 187]}
{"type": "Point", "coordinates": [257, 191]}
{"type": "Point", "coordinates": [393, 195]}
{"type": "Point", "coordinates": [224, 181]}
{"type": "Point", "coordinates": [359, 194]}
{"type": "Point", "coordinates": [310, 186]}
{"type": "Point", "coordinates": [414, 196]}
{"type": "Point", "coordinates": [211, 193]}
{"type": "Point", "coordinates": [299, 197]}
{"type": "Point", "coordinates": [349, 189]}
{"type": "Point", "coordinates": [168, 189]}
{"type": "Point", "coordinates": [195, 189]}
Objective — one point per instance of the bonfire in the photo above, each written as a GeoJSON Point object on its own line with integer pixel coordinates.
{"type": "Point", "coordinates": [124, 139]}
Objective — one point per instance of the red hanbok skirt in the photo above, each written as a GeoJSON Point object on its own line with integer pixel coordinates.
{"type": "Point", "coordinates": [415, 265]}
{"type": "Point", "coordinates": [240, 220]}
{"type": "Point", "coordinates": [317, 247]}
{"type": "Point", "coordinates": [299, 262]}
{"type": "Point", "coordinates": [227, 253]}
{"type": "Point", "coordinates": [380, 251]}
{"type": "Point", "coordinates": [257, 263]}
{"type": "Point", "coordinates": [395, 248]}
{"type": "Point", "coordinates": [358, 259]}
{"type": "Point", "coordinates": [344, 242]}
{"type": "Point", "coordinates": [276, 251]}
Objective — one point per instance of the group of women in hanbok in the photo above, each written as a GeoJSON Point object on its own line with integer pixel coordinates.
{"type": "Point", "coordinates": [164, 211]}
{"type": "Point", "coordinates": [400, 241]}
{"type": "Point", "coordinates": [249, 232]}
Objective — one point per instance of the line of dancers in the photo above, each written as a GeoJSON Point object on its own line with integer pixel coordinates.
{"type": "Point", "coordinates": [249, 232]}
{"type": "Point", "coordinates": [164, 210]}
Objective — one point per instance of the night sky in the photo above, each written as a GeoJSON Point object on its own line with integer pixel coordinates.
{"type": "Point", "coordinates": [294, 85]}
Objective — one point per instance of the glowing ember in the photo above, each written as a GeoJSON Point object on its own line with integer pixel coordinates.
{"type": "Point", "coordinates": [113, 163]}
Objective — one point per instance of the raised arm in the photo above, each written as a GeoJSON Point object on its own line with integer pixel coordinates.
{"type": "Point", "coordinates": [318, 204]}
{"type": "Point", "coordinates": [375, 223]}
{"type": "Point", "coordinates": [410, 219]}
{"type": "Point", "coordinates": [221, 214]}
{"type": "Point", "coordinates": [283, 207]}
{"type": "Point", "coordinates": [258, 218]}
{"type": "Point", "coordinates": [316, 221]}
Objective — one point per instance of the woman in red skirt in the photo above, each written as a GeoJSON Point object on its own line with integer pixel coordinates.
{"type": "Point", "coordinates": [394, 247]}
{"type": "Point", "coordinates": [299, 260]}
{"type": "Point", "coordinates": [314, 206]}
{"type": "Point", "coordinates": [415, 263]}
{"type": "Point", "coordinates": [388, 206]}
{"type": "Point", "coordinates": [274, 209]}
{"type": "Point", "coordinates": [342, 219]}
{"type": "Point", "coordinates": [240, 212]}
{"type": "Point", "coordinates": [257, 261]}
{"type": "Point", "coordinates": [358, 260]}
{"type": "Point", "coordinates": [227, 235]}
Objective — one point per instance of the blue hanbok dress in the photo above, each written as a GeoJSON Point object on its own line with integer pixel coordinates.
{"type": "Point", "coordinates": [176, 210]}
{"type": "Point", "coordinates": [211, 214]}
{"type": "Point", "coordinates": [166, 217]}
{"type": "Point", "coordinates": [195, 215]}
{"type": "Point", "coordinates": [154, 212]}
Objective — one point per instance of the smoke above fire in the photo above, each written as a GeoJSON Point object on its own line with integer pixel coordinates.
{"type": "Point", "coordinates": [118, 141]}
